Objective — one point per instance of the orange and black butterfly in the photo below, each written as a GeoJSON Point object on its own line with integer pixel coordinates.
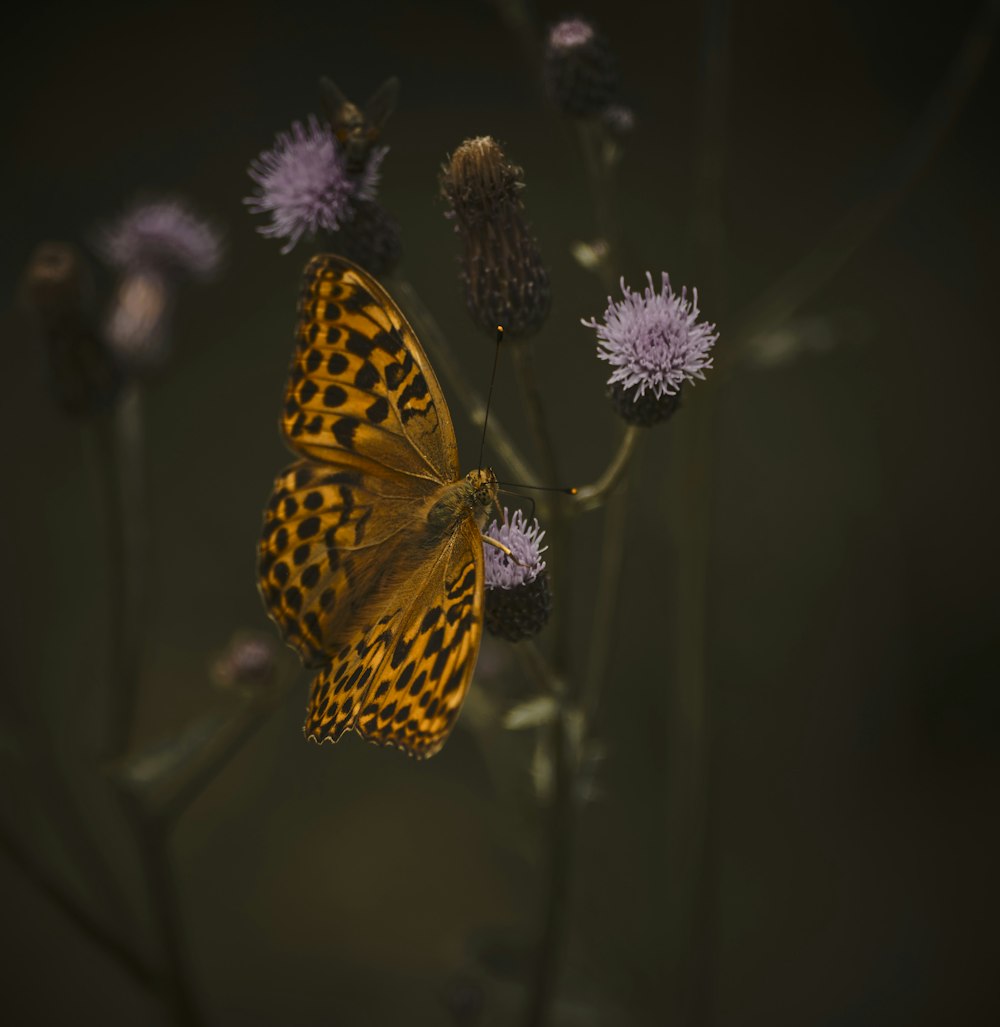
{"type": "Point", "coordinates": [358, 130]}
{"type": "Point", "coordinates": [371, 557]}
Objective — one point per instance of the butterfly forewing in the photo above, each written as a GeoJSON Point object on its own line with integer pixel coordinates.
{"type": "Point", "coordinates": [360, 384]}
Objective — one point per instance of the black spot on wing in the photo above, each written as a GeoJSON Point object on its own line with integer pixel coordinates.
{"type": "Point", "coordinates": [343, 431]}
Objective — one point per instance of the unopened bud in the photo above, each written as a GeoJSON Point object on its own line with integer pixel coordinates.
{"type": "Point", "coordinates": [505, 281]}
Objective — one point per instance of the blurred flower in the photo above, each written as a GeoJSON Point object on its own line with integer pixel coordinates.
{"type": "Point", "coordinates": [152, 245]}
{"type": "Point", "coordinates": [163, 236]}
{"type": "Point", "coordinates": [518, 599]}
{"type": "Point", "coordinates": [304, 183]}
{"type": "Point", "coordinates": [57, 289]}
{"type": "Point", "coordinates": [655, 343]}
{"type": "Point", "coordinates": [618, 119]}
{"type": "Point", "coordinates": [247, 662]}
{"type": "Point", "coordinates": [581, 72]}
{"type": "Point", "coordinates": [506, 282]}
{"type": "Point", "coordinates": [137, 328]}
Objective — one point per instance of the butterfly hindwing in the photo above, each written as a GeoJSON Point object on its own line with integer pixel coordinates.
{"type": "Point", "coordinates": [331, 531]}
{"type": "Point", "coordinates": [404, 682]}
{"type": "Point", "coordinates": [360, 383]}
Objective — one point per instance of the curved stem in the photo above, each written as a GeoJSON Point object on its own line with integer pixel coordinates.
{"type": "Point", "coordinates": [433, 339]}
{"type": "Point", "coordinates": [813, 271]}
{"type": "Point", "coordinates": [590, 496]}
{"type": "Point", "coordinates": [152, 843]}
{"type": "Point", "coordinates": [92, 929]}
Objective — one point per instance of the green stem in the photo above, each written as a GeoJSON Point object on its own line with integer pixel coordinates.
{"type": "Point", "coordinates": [609, 580]}
{"type": "Point", "coordinates": [811, 272]}
{"type": "Point", "coordinates": [562, 831]}
{"type": "Point", "coordinates": [77, 915]}
{"type": "Point", "coordinates": [523, 356]}
{"type": "Point", "coordinates": [121, 451]}
{"type": "Point", "coordinates": [153, 846]}
{"type": "Point", "coordinates": [588, 497]}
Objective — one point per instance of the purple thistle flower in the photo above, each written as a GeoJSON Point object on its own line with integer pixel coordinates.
{"type": "Point", "coordinates": [518, 598]}
{"type": "Point", "coordinates": [570, 33]}
{"type": "Point", "coordinates": [654, 340]}
{"type": "Point", "coordinates": [304, 183]}
{"type": "Point", "coordinates": [161, 236]}
{"type": "Point", "coordinates": [524, 542]}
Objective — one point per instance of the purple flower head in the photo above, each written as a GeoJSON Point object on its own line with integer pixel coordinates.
{"type": "Point", "coordinates": [248, 660]}
{"type": "Point", "coordinates": [162, 236]}
{"type": "Point", "coordinates": [654, 340]}
{"type": "Point", "coordinates": [524, 542]}
{"type": "Point", "coordinates": [570, 33]}
{"type": "Point", "coordinates": [304, 183]}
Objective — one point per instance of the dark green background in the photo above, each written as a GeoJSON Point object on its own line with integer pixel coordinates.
{"type": "Point", "coordinates": [852, 714]}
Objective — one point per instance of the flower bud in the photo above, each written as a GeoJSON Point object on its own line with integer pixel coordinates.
{"type": "Point", "coordinates": [58, 290]}
{"type": "Point", "coordinates": [581, 72]}
{"type": "Point", "coordinates": [505, 281]}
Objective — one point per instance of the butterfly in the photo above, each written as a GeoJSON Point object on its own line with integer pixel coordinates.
{"type": "Point", "coordinates": [371, 554]}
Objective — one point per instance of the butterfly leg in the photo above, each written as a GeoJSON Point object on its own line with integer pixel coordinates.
{"type": "Point", "coordinates": [503, 549]}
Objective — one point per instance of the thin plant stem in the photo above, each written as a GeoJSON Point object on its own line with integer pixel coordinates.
{"type": "Point", "coordinates": [589, 497]}
{"type": "Point", "coordinates": [563, 808]}
{"type": "Point", "coordinates": [537, 666]}
{"type": "Point", "coordinates": [693, 722]}
{"type": "Point", "coordinates": [76, 914]}
{"type": "Point", "coordinates": [153, 845]}
{"type": "Point", "coordinates": [224, 746]}
{"type": "Point", "coordinates": [811, 272]}
{"type": "Point", "coordinates": [609, 580]}
{"type": "Point", "coordinates": [562, 832]}
{"type": "Point", "coordinates": [523, 357]}
{"type": "Point", "coordinates": [433, 339]}
{"type": "Point", "coordinates": [121, 452]}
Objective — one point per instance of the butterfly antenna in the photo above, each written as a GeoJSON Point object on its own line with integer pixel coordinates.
{"type": "Point", "coordinates": [489, 396]}
{"type": "Point", "coordinates": [566, 490]}
{"type": "Point", "coordinates": [520, 495]}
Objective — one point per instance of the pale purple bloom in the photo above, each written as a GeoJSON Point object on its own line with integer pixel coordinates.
{"type": "Point", "coordinates": [654, 340]}
{"type": "Point", "coordinates": [618, 119]}
{"type": "Point", "coordinates": [524, 542]}
{"type": "Point", "coordinates": [162, 236]}
{"type": "Point", "coordinates": [304, 183]}
{"type": "Point", "coordinates": [570, 33]}
{"type": "Point", "coordinates": [248, 660]}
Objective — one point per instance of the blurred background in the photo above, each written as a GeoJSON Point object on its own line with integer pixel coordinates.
{"type": "Point", "coordinates": [805, 835]}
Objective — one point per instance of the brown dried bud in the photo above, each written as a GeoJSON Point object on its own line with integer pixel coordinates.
{"type": "Point", "coordinates": [581, 72]}
{"type": "Point", "coordinates": [58, 290]}
{"type": "Point", "coordinates": [506, 282]}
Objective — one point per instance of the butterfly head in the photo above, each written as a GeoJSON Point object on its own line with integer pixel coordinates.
{"type": "Point", "coordinates": [484, 491]}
